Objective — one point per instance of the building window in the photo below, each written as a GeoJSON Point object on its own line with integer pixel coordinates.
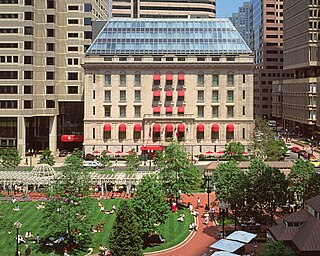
{"type": "Point", "coordinates": [73, 35]}
{"type": "Point", "coordinates": [27, 104]}
{"type": "Point", "coordinates": [137, 95]}
{"type": "Point", "coordinates": [200, 111]}
{"type": "Point", "coordinates": [230, 96]}
{"type": "Point", "coordinates": [50, 47]}
{"type": "Point", "coordinates": [243, 110]}
{"type": "Point", "coordinates": [73, 21]}
{"type": "Point", "coordinates": [230, 111]}
{"type": "Point", "coordinates": [28, 30]}
{"type": "Point", "coordinates": [215, 96]}
{"type": "Point", "coordinates": [215, 111]}
{"type": "Point", "coordinates": [107, 96]}
{"type": "Point", "coordinates": [201, 96]}
{"type": "Point", "coordinates": [28, 45]}
{"type": "Point", "coordinates": [28, 75]}
{"type": "Point", "coordinates": [9, 89]}
{"type": "Point", "coordinates": [243, 78]}
{"type": "Point", "coordinates": [107, 111]}
{"type": "Point", "coordinates": [50, 4]}
{"type": "Point", "coordinates": [50, 19]}
{"type": "Point", "coordinates": [123, 111]}
{"type": "Point", "coordinates": [123, 80]}
{"type": "Point", "coordinates": [73, 8]}
{"type": "Point", "coordinates": [137, 111]}
{"type": "Point", "coordinates": [50, 32]}
{"type": "Point", "coordinates": [28, 60]}
{"type": "Point", "coordinates": [50, 104]}
{"type": "Point", "coordinates": [87, 21]}
{"type": "Point", "coordinates": [26, 2]}
{"type": "Point", "coordinates": [107, 79]}
{"type": "Point", "coordinates": [73, 48]}
{"type": "Point", "coordinates": [9, 104]}
{"type": "Point", "coordinates": [87, 7]}
{"type": "Point", "coordinates": [215, 80]}
{"type": "Point", "coordinates": [230, 80]}
{"type": "Point", "coordinates": [49, 89]}
{"type": "Point", "coordinates": [200, 79]}
{"type": "Point", "coordinates": [243, 94]}
{"type": "Point", "coordinates": [28, 16]}
{"type": "Point", "coordinates": [27, 89]}
{"type": "Point", "coordinates": [72, 89]}
{"type": "Point", "coordinates": [87, 35]}
{"type": "Point", "coordinates": [73, 76]}
{"type": "Point", "coordinates": [13, 74]}
{"type": "Point", "coordinates": [93, 133]}
{"type": "Point", "coordinates": [123, 96]}
{"type": "Point", "coordinates": [50, 60]}
{"type": "Point", "coordinates": [137, 79]}
{"type": "Point", "coordinates": [93, 110]}
{"type": "Point", "coordinates": [243, 133]}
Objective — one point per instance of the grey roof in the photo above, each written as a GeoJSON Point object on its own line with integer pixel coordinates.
{"type": "Point", "coordinates": [164, 36]}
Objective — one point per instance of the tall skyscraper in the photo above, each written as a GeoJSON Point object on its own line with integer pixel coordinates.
{"type": "Point", "coordinates": [298, 97]}
{"type": "Point", "coordinates": [163, 8]}
{"type": "Point", "coordinates": [242, 21]}
{"type": "Point", "coordinates": [42, 46]}
{"type": "Point", "coordinates": [267, 44]}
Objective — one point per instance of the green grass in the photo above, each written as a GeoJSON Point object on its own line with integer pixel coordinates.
{"type": "Point", "coordinates": [174, 232]}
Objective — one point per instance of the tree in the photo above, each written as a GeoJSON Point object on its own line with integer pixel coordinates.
{"type": "Point", "coordinates": [10, 158]}
{"type": "Point", "coordinates": [104, 159]}
{"type": "Point", "coordinates": [68, 202]}
{"type": "Point", "coordinates": [302, 178]}
{"type": "Point", "coordinates": [276, 248]}
{"type": "Point", "coordinates": [177, 173]}
{"type": "Point", "coordinates": [125, 237]}
{"type": "Point", "coordinates": [149, 204]}
{"type": "Point", "coordinates": [47, 157]}
{"type": "Point", "coordinates": [133, 161]}
{"type": "Point", "coordinates": [272, 187]}
{"type": "Point", "coordinates": [234, 151]}
{"type": "Point", "coordinates": [229, 181]}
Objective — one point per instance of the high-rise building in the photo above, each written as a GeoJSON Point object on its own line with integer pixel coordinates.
{"type": "Point", "coordinates": [298, 97]}
{"type": "Point", "coordinates": [42, 46]}
{"type": "Point", "coordinates": [163, 8]}
{"type": "Point", "coordinates": [267, 44]}
{"type": "Point", "coordinates": [151, 81]}
{"type": "Point", "coordinates": [242, 21]}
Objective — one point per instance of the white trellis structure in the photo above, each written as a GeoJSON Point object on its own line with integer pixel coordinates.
{"type": "Point", "coordinates": [43, 175]}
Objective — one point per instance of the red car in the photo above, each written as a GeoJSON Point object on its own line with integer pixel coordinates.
{"type": "Point", "coordinates": [295, 149]}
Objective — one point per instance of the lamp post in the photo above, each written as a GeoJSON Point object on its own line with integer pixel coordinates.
{"type": "Point", "coordinates": [18, 225]}
{"type": "Point", "coordinates": [207, 178]}
{"type": "Point", "coordinates": [223, 205]}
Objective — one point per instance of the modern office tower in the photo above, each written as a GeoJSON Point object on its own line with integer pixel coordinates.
{"type": "Point", "coordinates": [42, 45]}
{"type": "Point", "coordinates": [163, 8]}
{"type": "Point", "coordinates": [299, 96]}
{"type": "Point", "coordinates": [242, 21]}
{"type": "Point", "coordinates": [267, 44]}
{"type": "Point", "coordinates": [148, 82]}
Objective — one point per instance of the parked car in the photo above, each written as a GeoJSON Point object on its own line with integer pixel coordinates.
{"type": "Point", "coordinates": [63, 153]}
{"type": "Point", "coordinates": [93, 164]}
{"type": "Point", "coordinates": [295, 149]}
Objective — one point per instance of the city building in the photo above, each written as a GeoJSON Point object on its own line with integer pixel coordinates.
{"type": "Point", "coordinates": [242, 21]}
{"type": "Point", "coordinates": [148, 82]}
{"type": "Point", "coordinates": [300, 230]}
{"type": "Point", "coordinates": [42, 46]}
{"type": "Point", "coordinates": [267, 44]}
{"type": "Point", "coordinates": [297, 99]}
{"type": "Point", "coordinates": [163, 8]}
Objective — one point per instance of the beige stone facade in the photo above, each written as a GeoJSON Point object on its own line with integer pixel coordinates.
{"type": "Point", "coordinates": [211, 102]}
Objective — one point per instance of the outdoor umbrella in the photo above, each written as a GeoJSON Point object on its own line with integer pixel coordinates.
{"type": "Point", "coordinates": [241, 236]}
{"type": "Point", "coordinates": [227, 245]}
{"type": "Point", "coordinates": [223, 253]}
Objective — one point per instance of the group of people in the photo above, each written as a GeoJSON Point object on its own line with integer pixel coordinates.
{"type": "Point", "coordinates": [28, 236]}
{"type": "Point", "coordinates": [102, 209]}
{"type": "Point", "coordinates": [103, 250]}
{"type": "Point", "coordinates": [41, 206]}
{"type": "Point", "coordinates": [98, 229]}
{"type": "Point", "coordinates": [26, 253]}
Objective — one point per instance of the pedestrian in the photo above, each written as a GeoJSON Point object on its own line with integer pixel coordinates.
{"type": "Point", "coordinates": [19, 252]}
{"type": "Point", "coordinates": [206, 218]}
{"type": "Point", "coordinates": [28, 251]}
{"type": "Point", "coordinates": [27, 161]}
{"type": "Point", "coordinates": [211, 213]}
{"type": "Point", "coordinates": [198, 202]}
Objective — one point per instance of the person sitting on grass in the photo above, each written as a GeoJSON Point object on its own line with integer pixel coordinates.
{"type": "Point", "coordinates": [17, 208]}
{"type": "Point", "coordinates": [113, 209]}
{"type": "Point", "coordinates": [102, 249]}
{"type": "Point", "coordinates": [41, 206]}
{"type": "Point", "coordinates": [93, 229]}
{"type": "Point", "coordinates": [181, 218]}
{"type": "Point", "coordinates": [20, 239]}
{"type": "Point", "coordinates": [28, 235]}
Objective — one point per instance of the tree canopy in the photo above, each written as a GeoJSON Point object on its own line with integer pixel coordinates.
{"type": "Point", "coordinates": [133, 161]}
{"type": "Point", "coordinates": [125, 237]}
{"type": "Point", "coordinates": [9, 158]}
{"type": "Point", "coordinates": [177, 173]}
{"type": "Point", "coordinates": [234, 151]}
{"type": "Point", "coordinates": [47, 157]}
{"type": "Point", "coordinates": [104, 159]}
{"type": "Point", "coordinates": [276, 248]}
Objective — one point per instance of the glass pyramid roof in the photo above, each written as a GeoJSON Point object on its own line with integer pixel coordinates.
{"type": "Point", "coordinates": [164, 36]}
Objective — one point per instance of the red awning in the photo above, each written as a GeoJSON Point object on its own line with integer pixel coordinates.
{"type": "Point", "coordinates": [169, 76]}
{"type": "Point", "coordinates": [71, 138]}
{"type": "Point", "coordinates": [181, 93]}
{"type": "Point", "coordinates": [169, 109]}
{"type": "Point", "coordinates": [122, 128]}
{"type": "Point", "coordinates": [151, 148]}
{"type": "Point", "coordinates": [169, 128]}
{"type": "Point", "coordinates": [180, 109]}
{"type": "Point", "coordinates": [137, 128]}
{"type": "Point", "coordinates": [180, 76]}
{"type": "Point", "coordinates": [156, 128]}
{"type": "Point", "coordinates": [156, 109]}
{"type": "Point", "coordinates": [215, 127]}
{"type": "Point", "coordinates": [230, 128]}
{"type": "Point", "coordinates": [200, 128]}
{"type": "Point", "coordinates": [156, 93]}
{"type": "Point", "coordinates": [156, 77]}
{"type": "Point", "coordinates": [107, 128]}
{"type": "Point", "coordinates": [181, 128]}
{"type": "Point", "coordinates": [169, 93]}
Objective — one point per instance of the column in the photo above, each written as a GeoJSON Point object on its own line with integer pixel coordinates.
{"type": "Point", "coordinates": [102, 189]}
{"type": "Point", "coordinates": [21, 136]}
{"type": "Point", "coordinates": [53, 134]}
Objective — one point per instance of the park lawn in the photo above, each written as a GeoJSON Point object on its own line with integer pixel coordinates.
{"type": "Point", "coordinates": [173, 231]}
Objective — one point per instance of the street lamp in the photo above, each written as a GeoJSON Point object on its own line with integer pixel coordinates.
{"type": "Point", "coordinates": [18, 225]}
{"type": "Point", "coordinates": [207, 178]}
{"type": "Point", "coordinates": [224, 206]}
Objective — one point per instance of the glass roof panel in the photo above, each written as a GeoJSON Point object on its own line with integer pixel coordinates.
{"type": "Point", "coordinates": [162, 36]}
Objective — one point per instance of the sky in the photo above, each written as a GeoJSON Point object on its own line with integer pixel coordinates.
{"type": "Point", "coordinates": [225, 8]}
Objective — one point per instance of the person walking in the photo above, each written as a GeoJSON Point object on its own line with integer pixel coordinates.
{"type": "Point", "coordinates": [28, 251]}
{"type": "Point", "coordinates": [198, 202]}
